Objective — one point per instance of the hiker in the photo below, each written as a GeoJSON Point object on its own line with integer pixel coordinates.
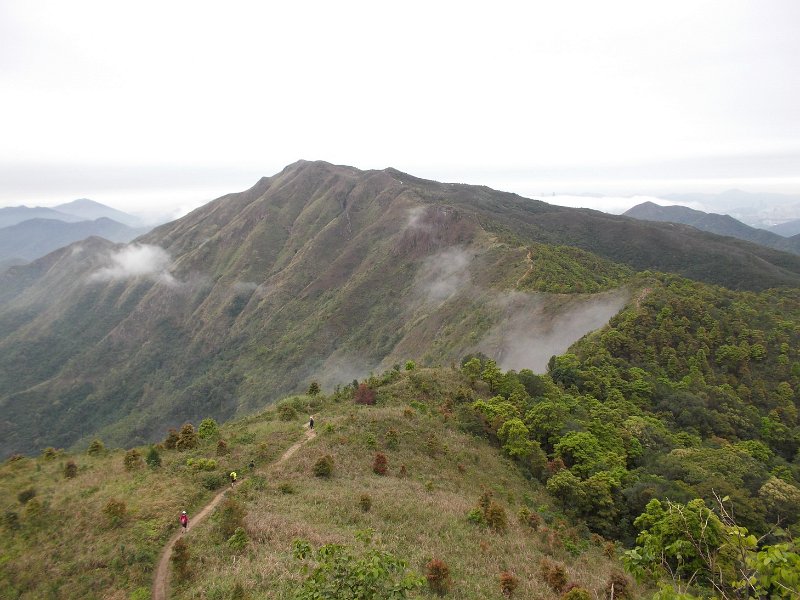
{"type": "Point", "coordinates": [184, 521]}
{"type": "Point", "coordinates": [233, 477]}
{"type": "Point", "coordinates": [311, 422]}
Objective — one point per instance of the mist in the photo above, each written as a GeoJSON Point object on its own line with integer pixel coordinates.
{"type": "Point", "coordinates": [137, 260]}
{"type": "Point", "coordinates": [444, 274]}
{"type": "Point", "coordinates": [535, 327]}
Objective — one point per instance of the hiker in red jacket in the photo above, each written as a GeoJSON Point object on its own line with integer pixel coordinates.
{"type": "Point", "coordinates": [184, 521]}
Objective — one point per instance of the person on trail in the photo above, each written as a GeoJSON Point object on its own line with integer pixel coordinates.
{"type": "Point", "coordinates": [311, 422]}
{"type": "Point", "coordinates": [233, 477]}
{"type": "Point", "coordinates": [184, 521]}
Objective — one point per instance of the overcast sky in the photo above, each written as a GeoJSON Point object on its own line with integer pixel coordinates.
{"type": "Point", "coordinates": [146, 105]}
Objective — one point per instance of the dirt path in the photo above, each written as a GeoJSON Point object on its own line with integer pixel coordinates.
{"type": "Point", "coordinates": [161, 579]}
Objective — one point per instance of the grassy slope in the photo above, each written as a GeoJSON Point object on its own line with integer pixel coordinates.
{"type": "Point", "coordinates": [416, 517]}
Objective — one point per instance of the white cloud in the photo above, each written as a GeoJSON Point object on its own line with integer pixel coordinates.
{"type": "Point", "coordinates": [444, 274]}
{"type": "Point", "coordinates": [137, 260]}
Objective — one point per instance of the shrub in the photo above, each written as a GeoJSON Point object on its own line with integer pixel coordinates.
{"type": "Point", "coordinates": [531, 519]}
{"type": "Point", "coordinates": [222, 448]}
{"type": "Point", "coordinates": [180, 559]}
{"type": "Point", "coordinates": [496, 518]}
{"type": "Point", "coordinates": [484, 500]}
{"type": "Point", "coordinates": [370, 440]}
{"type": "Point", "coordinates": [438, 575]}
{"type": "Point", "coordinates": [364, 395]}
{"type": "Point", "coordinates": [577, 593]}
{"type": "Point", "coordinates": [618, 586]}
{"type": "Point", "coordinates": [214, 481]}
{"type": "Point", "coordinates": [115, 511]}
{"type": "Point", "coordinates": [554, 574]}
{"type": "Point", "coordinates": [475, 516]}
{"type": "Point", "coordinates": [171, 441]}
{"type": "Point", "coordinates": [408, 412]}
{"type": "Point", "coordinates": [26, 495]}
{"type": "Point", "coordinates": [380, 465]}
{"type": "Point", "coordinates": [286, 412]}
{"type": "Point", "coordinates": [313, 389]}
{"type": "Point", "coordinates": [208, 429]}
{"type": "Point", "coordinates": [229, 517]}
{"type": "Point", "coordinates": [324, 466]}
{"type": "Point", "coordinates": [403, 471]}
{"type": "Point", "coordinates": [153, 458]}
{"type": "Point", "coordinates": [508, 583]}
{"type": "Point", "coordinates": [365, 502]}
{"type": "Point", "coordinates": [34, 511]}
{"type": "Point", "coordinates": [51, 453]}
{"type": "Point", "coordinates": [392, 439]}
{"type": "Point", "coordinates": [432, 445]}
{"type": "Point", "coordinates": [95, 448]}
{"type": "Point", "coordinates": [286, 488]}
{"type": "Point", "coordinates": [132, 460]}
{"type": "Point", "coordinates": [237, 593]}
{"type": "Point", "coordinates": [187, 439]}
{"type": "Point", "coordinates": [201, 464]}
{"type": "Point", "coordinates": [70, 469]}
{"type": "Point", "coordinates": [238, 541]}
{"type": "Point", "coordinates": [410, 365]}
{"type": "Point", "coordinates": [140, 593]}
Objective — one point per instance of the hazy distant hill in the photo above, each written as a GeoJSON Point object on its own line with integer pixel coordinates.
{"type": "Point", "coordinates": [11, 215]}
{"type": "Point", "coordinates": [33, 238]}
{"type": "Point", "coordinates": [90, 210]}
{"type": "Point", "coordinates": [319, 271]}
{"type": "Point", "coordinates": [714, 223]}
{"type": "Point", "coordinates": [788, 229]}
{"type": "Point", "coordinates": [755, 209]}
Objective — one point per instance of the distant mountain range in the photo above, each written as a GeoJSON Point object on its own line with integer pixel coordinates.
{"type": "Point", "coordinates": [28, 233]}
{"type": "Point", "coordinates": [325, 272]}
{"type": "Point", "coordinates": [762, 210]}
{"type": "Point", "coordinates": [714, 223]}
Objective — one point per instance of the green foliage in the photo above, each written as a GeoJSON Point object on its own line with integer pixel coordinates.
{"type": "Point", "coordinates": [201, 464]}
{"type": "Point", "coordinates": [229, 517]}
{"type": "Point", "coordinates": [313, 389]}
{"type": "Point", "coordinates": [171, 441]}
{"type": "Point", "coordinates": [577, 593]}
{"type": "Point", "coordinates": [324, 466]}
{"type": "Point", "coordinates": [214, 481]}
{"type": "Point", "coordinates": [410, 365]}
{"type": "Point", "coordinates": [472, 369]}
{"type": "Point", "coordinates": [339, 572]}
{"type": "Point", "coordinates": [238, 541]}
{"type": "Point", "coordinates": [153, 458]}
{"type": "Point", "coordinates": [775, 572]}
{"type": "Point", "coordinates": [208, 429]}
{"type": "Point", "coordinates": [286, 412]}
{"type": "Point", "coordinates": [491, 374]}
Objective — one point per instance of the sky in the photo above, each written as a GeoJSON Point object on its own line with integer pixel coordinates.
{"type": "Point", "coordinates": [160, 106]}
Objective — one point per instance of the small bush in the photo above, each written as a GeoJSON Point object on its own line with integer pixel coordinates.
{"type": "Point", "coordinates": [237, 593]}
{"type": "Point", "coordinates": [115, 511]}
{"type": "Point", "coordinates": [95, 448]}
{"type": "Point", "coordinates": [201, 464]}
{"type": "Point", "coordinates": [370, 440]}
{"type": "Point", "coordinates": [365, 502]}
{"type": "Point", "coordinates": [410, 365]}
{"type": "Point", "coordinates": [141, 593]}
{"type": "Point", "coordinates": [132, 460]}
{"type": "Point", "coordinates": [475, 516]}
{"type": "Point", "coordinates": [364, 395]}
{"type": "Point", "coordinates": [51, 453]}
{"type": "Point", "coordinates": [403, 471]}
{"type": "Point", "coordinates": [187, 439]}
{"type": "Point", "coordinates": [324, 466]}
{"type": "Point", "coordinates": [508, 583]}
{"type": "Point", "coordinates": [208, 429]}
{"type": "Point", "coordinates": [433, 446]}
{"type": "Point", "coordinates": [496, 518]}
{"type": "Point", "coordinates": [171, 441]}
{"type": "Point", "coordinates": [153, 458]}
{"type": "Point", "coordinates": [222, 448]}
{"type": "Point", "coordinates": [286, 412]}
{"type": "Point", "coordinates": [531, 519]}
{"type": "Point", "coordinates": [10, 520]}
{"type": "Point", "coordinates": [34, 511]}
{"type": "Point", "coordinates": [576, 593]}
{"type": "Point", "coordinates": [230, 516]}
{"type": "Point", "coordinates": [180, 559]}
{"type": "Point", "coordinates": [313, 389]}
{"type": "Point", "coordinates": [408, 412]}
{"type": "Point", "coordinates": [554, 574]}
{"type": "Point", "coordinates": [70, 469]}
{"type": "Point", "coordinates": [286, 488]}
{"type": "Point", "coordinates": [610, 549]}
{"type": "Point", "coordinates": [26, 495]}
{"type": "Point", "coordinates": [438, 575]}
{"type": "Point", "coordinates": [238, 541]}
{"type": "Point", "coordinates": [485, 499]}
{"type": "Point", "coordinates": [618, 586]}
{"type": "Point", "coordinates": [214, 481]}
{"type": "Point", "coordinates": [380, 465]}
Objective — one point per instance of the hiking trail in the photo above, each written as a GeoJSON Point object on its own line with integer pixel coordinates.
{"type": "Point", "coordinates": [161, 578]}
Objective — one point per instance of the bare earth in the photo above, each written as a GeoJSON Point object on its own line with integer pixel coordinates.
{"type": "Point", "coordinates": [161, 579]}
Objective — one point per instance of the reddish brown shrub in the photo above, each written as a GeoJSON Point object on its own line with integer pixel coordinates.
{"type": "Point", "coordinates": [380, 464]}
{"type": "Point", "coordinates": [438, 575]}
{"type": "Point", "coordinates": [364, 395]}
{"type": "Point", "coordinates": [554, 574]}
{"type": "Point", "coordinates": [496, 518]}
{"type": "Point", "coordinates": [403, 471]}
{"type": "Point", "coordinates": [508, 583]}
{"type": "Point", "coordinates": [555, 465]}
{"type": "Point", "coordinates": [618, 586]}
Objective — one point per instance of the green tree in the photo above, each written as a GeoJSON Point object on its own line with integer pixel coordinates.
{"type": "Point", "coordinates": [491, 374]}
{"type": "Point", "coordinates": [472, 369]}
{"type": "Point", "coordinates": [153, 458]}
{"type": "Point", "coordinates": [208, 429]}
{"type": "Point", "coordinates": [514, 436]}
{"type": "Point", "coordinates": [313, 389]}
